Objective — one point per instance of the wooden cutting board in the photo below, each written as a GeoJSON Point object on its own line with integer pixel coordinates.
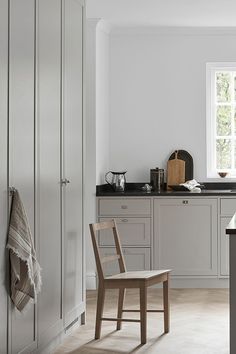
{"type": "Point", "coordinates": [175, 171]}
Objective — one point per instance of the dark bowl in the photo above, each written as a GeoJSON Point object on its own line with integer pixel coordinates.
{"type": "Point", "coordinates": [222, 174]}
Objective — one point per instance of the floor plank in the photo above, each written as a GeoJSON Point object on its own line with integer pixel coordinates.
{"type": "Point", "coordinates": [199, 325]}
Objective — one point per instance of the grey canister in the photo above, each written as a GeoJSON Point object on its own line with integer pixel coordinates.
{"type": "Point", "coordinates": [157, 179]}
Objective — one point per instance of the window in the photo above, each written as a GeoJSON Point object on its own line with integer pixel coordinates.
{"type": "Point", "coordinates": [221, 119]}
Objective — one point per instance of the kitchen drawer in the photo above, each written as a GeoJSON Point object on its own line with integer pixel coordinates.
{"type": "Point", "coordinates": [135, 259]}
{"type": "Point", "coordinates": [124, 206]}
{"type": "Point", "coordinates": [132, 232]}
{"type": "Point", "coordinates": [227, 206]}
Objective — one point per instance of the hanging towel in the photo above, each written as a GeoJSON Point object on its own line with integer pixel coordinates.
{"type": "Point", "coordinates": [25, 270]}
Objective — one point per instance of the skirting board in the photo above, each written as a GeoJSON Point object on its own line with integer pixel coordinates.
{"type": "Point", "coordinates": [91, 281]}
{"type": "Point", "coordinates": [199, 283]}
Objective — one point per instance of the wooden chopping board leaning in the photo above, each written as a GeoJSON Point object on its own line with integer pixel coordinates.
{"type": "Point", "coordinates": [175, 171]}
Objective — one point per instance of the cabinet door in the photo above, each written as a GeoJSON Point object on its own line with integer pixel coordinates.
{"type": "Point", "coordinates": [73, 159]}
{"type": "Point", "coordinates": [135, 259]}
{"type": "Point", "coordinates": [21, 142]}
{"type": "Point", "coordinates": [224, 247]}
{"type": "Point", "coordinates": [3, 171]}
{"type": "Point", "coordinates": [132, 232]}
{"type": "Point", "coordinates": [48, 168]}
{"type": "Point", "coordinates": [185, 236]}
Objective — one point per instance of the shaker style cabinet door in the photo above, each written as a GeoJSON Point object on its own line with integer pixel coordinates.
{"type": "Point", "coordinates": [48, 95]}
{"type": "Point", "coordinates": [136, 258]}
{"type": "Point", "coordinates": [21, 143]}
{"type": "Point", "coordinates": [185, 236]}
{"type": "Point", "coordinates": [3, 170]}
{"type": "Point", "coordinates": [224, 246]}
{"type": "Point", "coordinates": [72, 159]}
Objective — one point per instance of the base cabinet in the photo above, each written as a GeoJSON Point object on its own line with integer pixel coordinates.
{"type": "Point", "coordinates": [224, 247]}
{"type": "Point", "coordinates": [185, 236]}
{"type": "Point", "coordinates": [227, 210]}
{"type": "Point", "coordinates": [134, 223]}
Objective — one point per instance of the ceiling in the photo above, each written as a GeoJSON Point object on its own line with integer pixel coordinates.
{"type": "Point", "coordinates": [194, 13]}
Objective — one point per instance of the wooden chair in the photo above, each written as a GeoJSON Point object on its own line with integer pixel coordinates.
{"type": "Point", "coordinates": [123, 280]}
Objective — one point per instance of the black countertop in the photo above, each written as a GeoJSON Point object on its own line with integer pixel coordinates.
{"type": "Point", "coordinates": [134, 190]}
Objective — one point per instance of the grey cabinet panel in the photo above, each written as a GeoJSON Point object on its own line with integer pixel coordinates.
{"type": "Point", "coordinates": [48, 167]}
{"type": "Point", "coordinates": [3, 172]}
{"type": "Point", "coordinates": [135, 259]}
{"type": "Point", "coordinates": [124, 206]}
{"type": "Point", "coordinates": [224, 247]}
{"type": "Point", "coordinates": [227, 206]}
{"type": "Point", "coordinates": [21, 139]}
{"type": "Point", "coordinates": [72, 158]}
{"type": "Point", "coordinates": [132, 232]}
{"type": "Point", "coordinates": [185, 236]}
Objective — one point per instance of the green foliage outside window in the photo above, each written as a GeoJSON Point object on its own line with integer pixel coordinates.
{"type": "Point", "coordinates": [225, 118]}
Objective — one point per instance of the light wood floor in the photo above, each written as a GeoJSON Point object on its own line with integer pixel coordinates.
{"type": "Point", "coordinates": [199, 325]}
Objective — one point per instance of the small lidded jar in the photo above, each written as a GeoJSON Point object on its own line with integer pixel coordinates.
{"type": "Point", "coordinates": [157, 179]}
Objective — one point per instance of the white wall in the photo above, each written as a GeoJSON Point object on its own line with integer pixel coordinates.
{"type": "Point", "coordinates": [102, 101]}
{"type": "Point", "coordinates": [158, 95]}
{"type": "Point", "coordinates": [97, 127]}
{"type": "Point", "coordinates": [90, 151]}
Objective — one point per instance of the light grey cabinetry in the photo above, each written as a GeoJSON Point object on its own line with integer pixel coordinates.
{"type": "Point", "coordinates": [21, 143]}
{"type": "Point", "coordinates": [41, 144]}
{"type": "Point", "coordinates": [136, 258]}
{"type": "Point", "coordinates": [72, 147]}
{"type": "Point", "coordinates": [48, 139]}
{"type": "Point", "coordinates": [227, 210]}
{"type": "Point", "coordinates": [133, 218]}
{"type": "Point", "coordinates": [185, 236]}
{"type": "Point", "coordinates": [3, 171]}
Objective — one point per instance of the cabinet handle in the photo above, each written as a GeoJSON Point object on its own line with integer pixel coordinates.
{"type": "Point", "coordinates": [124, 207]}
{"type": "Point", "coordinates": [124, 220]}
{"type": "Point", "coordinates": [185, 201]}
{"type": "Point", "coordinates": [65, 181]}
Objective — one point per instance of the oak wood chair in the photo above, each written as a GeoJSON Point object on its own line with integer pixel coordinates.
{"type": "Point", "coordinates": [123, 280]}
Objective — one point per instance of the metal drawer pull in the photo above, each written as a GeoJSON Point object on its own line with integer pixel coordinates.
{"type": "Point", "coordinates": [124, 207]}
{"type": "Point", "coordinates": [65, 181]}
{"type": "Point", "coordinates": [124, 220]}
{"type": "Point", "coordinates": [185, 201]}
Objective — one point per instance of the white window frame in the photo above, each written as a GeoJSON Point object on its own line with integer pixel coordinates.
{"type": "Point", "coordinates": [211, 69]}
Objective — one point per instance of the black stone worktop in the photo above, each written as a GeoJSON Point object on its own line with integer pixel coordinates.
{"type": "Point", "coordinates": [135, 190]}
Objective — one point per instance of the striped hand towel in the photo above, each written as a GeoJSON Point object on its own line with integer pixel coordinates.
{"type": "Point", "coordinates": [25, 270]}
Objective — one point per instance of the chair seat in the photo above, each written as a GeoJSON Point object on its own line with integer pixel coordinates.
{"type": "Point", "coordinates": [138, 275]}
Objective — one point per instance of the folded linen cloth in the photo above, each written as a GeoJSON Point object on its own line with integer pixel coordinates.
{"type": "Point", "coordinates": [25, 270]}
{"type": "Point", "coordinates": [191, 185]}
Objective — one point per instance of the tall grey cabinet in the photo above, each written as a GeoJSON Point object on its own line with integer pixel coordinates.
{"type": "Point", "coordinates": [41, 140]}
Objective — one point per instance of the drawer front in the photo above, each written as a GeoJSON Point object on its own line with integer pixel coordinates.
{"type": "Point", "coordinates": [227, 206]}
{"type": "Point", "coordinates": [118, 206]}
{"type": "Point", "coordinates": [135, 259]}
{"type": "Point", "coordinates": [132, 232]}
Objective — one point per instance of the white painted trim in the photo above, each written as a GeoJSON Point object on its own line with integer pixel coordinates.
{"type": "Point", "coordinates": [172, 31]}
{"type": "Point", "coordinates": [104, 26]}
{"type": "Point", "coordinates": [91, 281]}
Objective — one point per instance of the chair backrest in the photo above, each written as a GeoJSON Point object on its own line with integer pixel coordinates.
{"type": "Point", "coordinates": [94, 228]}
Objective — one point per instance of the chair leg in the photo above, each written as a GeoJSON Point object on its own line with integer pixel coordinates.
{"type": "Point", "coordinates": [143, 313]}
{"type": "Point", "coordinates": [120, 307]}
{"type": "Point", "coordinates": [100, 306]}
{"type": "Point", "coordinates": [166, 306]}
